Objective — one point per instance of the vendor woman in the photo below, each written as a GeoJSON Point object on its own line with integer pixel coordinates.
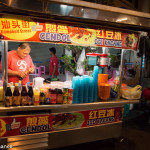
{"type": "Point", "coordinates": [20, 64]}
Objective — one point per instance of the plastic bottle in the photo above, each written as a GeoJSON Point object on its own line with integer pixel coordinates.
{"type": "Point", "coordinates": [42, 97]}
{"type": "Point", "coordinates": [47, 96]}
{"type": "Point", "coordinates": [53, 96]}
{"type": "Point", "coordinates": [65, 95]}
{"type": "Point", "coordinates": [70, 96]}
{"type": "Point", "coordinates": [36, 96]}
{"type": "Point", "coordinates": [30, 98]}
{"type": "Point", "coordinates": [20, 85]}
{"type": "Point", "coordinates": [1, 91]}
{"type": "Point", "coordinates": [16, 96]}
{"type": "Point", "coordinates": [24, 96]}
{"type": "Point", "coordinates": [8, 97]}
{"type": "Point", "coordinates": [59, 97]}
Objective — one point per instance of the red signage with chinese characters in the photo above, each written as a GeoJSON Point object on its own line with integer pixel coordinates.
{"type": "Point", "coordinates": [20, 28]}
{"type": "Point", "coordinates": [20, 125]}
{"type": "Point", "coordinates": [86, 118]}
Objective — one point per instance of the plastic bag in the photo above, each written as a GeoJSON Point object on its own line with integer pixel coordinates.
{"type": "Point", "coordinates": [80, 68]}
{"type": "Point", "coordinates": [68, 52]}
{"type": "Point", "coordinates": [131, 93]}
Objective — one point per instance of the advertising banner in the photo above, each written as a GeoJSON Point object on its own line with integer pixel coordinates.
{"type": "Point", "coordinates": [21, 125]}
{"type": "Point", "coordinates": [20, 28]}
{"type": "Point", "coordinates": [86, 118]}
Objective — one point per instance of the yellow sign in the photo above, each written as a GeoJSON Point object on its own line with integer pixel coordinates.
{"type": "Point", "coordinates": [17, 28]}
{"type": "Point", "coordinates": [101, 113]}
{"type": "Point", "coordinates": [2, 127]}
{"type": "Point", "coordinates": [34, 121]}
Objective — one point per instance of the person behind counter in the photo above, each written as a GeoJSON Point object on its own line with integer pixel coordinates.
{"type": "Point", "coordinates": [53, 66]}
{"type": "Point", "coordinates": [20, 63]}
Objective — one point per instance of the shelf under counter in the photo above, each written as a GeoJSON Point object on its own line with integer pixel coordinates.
{"type": "Point", "coordinates": [69, 107]}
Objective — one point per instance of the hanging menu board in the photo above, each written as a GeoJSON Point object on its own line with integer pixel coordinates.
{"type": "Point", "coordinates": [20, 28]}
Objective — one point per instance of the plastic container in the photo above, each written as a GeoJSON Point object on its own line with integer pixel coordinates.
{"type": "Point", "coordinates": [104, 91]}
{"type": "Point", "coordinates": [36, 96]}
{"type": "Point", "coordinates": [92, 60]}
{"type": "Point", "coordinates": [102, 78]}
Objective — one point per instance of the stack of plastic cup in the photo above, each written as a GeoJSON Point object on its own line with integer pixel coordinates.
{"type": "Point", "coordinates": [95, 78]}
{"type": "Point", "coordinates": [75, 85]}
{"type": "Point", "coordinates": [81, 90]}
{"type": "Point", "coordinates": [91, 90]}
{"type": "Point", "coordinates": [86, 88]}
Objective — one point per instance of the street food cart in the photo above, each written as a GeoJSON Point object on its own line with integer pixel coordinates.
{"type": "Point", "coordinates": [34, 127]}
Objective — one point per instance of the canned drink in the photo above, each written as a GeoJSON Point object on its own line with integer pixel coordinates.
{"type": "Point", "coordinates": [70, 100]}
{"type": "Point", "coordinates": [65, 99]}
{"type": "Point", "coordinates": [65, 90]}
{"type": "Point", "coordinates": [70, 92]}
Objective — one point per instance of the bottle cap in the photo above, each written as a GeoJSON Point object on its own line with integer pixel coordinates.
{"type": "Point", "coordinates": [20, 81]}
{"type": "Point", "coordinates": [31, 83]}
{"type": "Point", "coordinates": [42, 90]}
{"type": "Point", "coordinates": [24, 84]}
{"type": "Point", "coordinates": [16, 84]}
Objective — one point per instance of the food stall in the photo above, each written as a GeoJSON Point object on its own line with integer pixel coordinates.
{"type": "Point", "coordinates": [47, 126]}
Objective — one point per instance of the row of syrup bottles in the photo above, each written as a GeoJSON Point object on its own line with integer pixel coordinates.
{"type": "Point", "coordinates": [19, 97]}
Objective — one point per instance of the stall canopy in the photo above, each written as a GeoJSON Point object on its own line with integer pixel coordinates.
{"type": "Point", "coordinates": [21, 28]}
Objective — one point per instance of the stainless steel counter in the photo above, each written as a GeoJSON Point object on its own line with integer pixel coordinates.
{"type": "Point", "coordinates": [69, 107]}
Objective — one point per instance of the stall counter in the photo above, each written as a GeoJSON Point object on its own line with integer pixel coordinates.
{"type": "Point", "coordinates": [69, 107]}
{"type": "Point", "coordinates": [94, 127]}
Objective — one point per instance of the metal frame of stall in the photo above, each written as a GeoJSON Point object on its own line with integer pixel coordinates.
{"type": "Point", "coordinates": [72, 136]}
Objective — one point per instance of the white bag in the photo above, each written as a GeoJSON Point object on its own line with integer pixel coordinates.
{"type": "Point", "coordinates": [68, 52]}
{"type": "Point", "coordinates": [80, 68]}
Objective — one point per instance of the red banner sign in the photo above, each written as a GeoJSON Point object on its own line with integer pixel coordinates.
{"type": "Point", "coordinates": [87, 118]}
{"type": "Point", "coordinates": [20, 125]}
{"type": "Point", "coordinates": [19, 28]}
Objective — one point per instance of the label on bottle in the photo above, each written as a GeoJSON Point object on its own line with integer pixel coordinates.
{"type": "Point", "coordinates": [65, 91]}
{"type": "Point", "coordinates": [29, 100]}
{"type": "Point", "coordinates": [70, 94]}
{"type": "Point", "coordinates": [36, 100]}
{"type": "Point", "coordinates": [59, 98]}
{"type": "Point", "coordinates": [42, 98]}
{"type": "Point", "coordinates": [53, 99]}
{"type": "Point", "coordinates": [70, 99]}
{"type": "Point", "coordinates": [65, 99]}
{"type": "Point", "coordinates": [47, 100]}
{"type": "Point", "coordinates": [16, 100]}
{"type": "Point", "coordinates": [23, 100]}
{"type": "Point", "coordinates": [8, 101]}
